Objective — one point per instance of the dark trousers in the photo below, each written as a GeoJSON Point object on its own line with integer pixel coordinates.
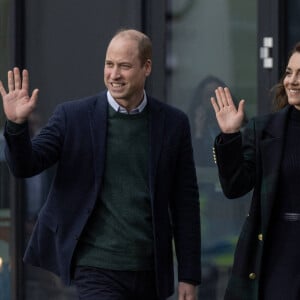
{"type": "Point", "coordinates": [101, 284]}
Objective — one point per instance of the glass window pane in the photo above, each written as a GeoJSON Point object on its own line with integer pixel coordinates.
{"type": "Point", "coordinates": [212, 43]}
{"type": "Point", "coordinates": [293, 28]}
{"type": "Point", "coordinates": [5, 220]}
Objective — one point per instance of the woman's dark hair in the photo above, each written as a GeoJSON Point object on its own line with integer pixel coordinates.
{"type": "Point", "coordinates": [280, 97]}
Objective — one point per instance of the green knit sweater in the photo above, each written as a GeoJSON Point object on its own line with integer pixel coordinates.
{"type": "Point", "coordinates": [119, 233]}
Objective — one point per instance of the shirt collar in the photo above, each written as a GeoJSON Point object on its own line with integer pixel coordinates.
{"type": "Point", "coordinates": [117, 107]}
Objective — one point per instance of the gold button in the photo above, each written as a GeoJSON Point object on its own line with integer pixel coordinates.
{"type": "Point", "coordinates": [260, 236]}
{"type": "Point", "coordinates": [252, 276]}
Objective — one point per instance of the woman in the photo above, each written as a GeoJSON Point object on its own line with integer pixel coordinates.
{"type": "Point", "coordinates": [265, 158]}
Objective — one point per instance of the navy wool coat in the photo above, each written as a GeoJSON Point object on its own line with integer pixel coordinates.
{"type": "Point", "coordinates": [75, 139]}
{"type": "Point", "coordinates": [252, 160]}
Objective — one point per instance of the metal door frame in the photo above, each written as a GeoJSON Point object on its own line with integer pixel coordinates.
{"type": "Point", "coordinates": [271, 50]}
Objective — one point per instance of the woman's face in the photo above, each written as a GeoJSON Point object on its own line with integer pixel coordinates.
{"type": "Point", "coordinates": [291, 80]}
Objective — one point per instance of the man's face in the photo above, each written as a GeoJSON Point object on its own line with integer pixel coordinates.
{"type": "Point", "coordinates": [124, 75]}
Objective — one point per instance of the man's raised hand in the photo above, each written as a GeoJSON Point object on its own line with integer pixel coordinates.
{"type": "Point", "coordinates": [17, 103]}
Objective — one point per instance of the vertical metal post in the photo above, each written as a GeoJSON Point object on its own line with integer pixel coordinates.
{"type": "Point", "coordinates": [153, 17]}
{"type": "Point", "coordinates": [270, 27]}
{"type": "Point", "coordinates": [16, 186]}
{"type": "Point", "coordinates": [17, 239]}
{"type": "Point", "coordinates": [18, 32]}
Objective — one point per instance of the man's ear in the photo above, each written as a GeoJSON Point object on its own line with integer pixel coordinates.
{"type": "Point", "coordinates": [148, 67]}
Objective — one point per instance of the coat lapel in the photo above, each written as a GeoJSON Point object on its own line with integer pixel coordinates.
{"type": "Point", "coordinates": [271, 146]}
{"type": "Point", "coordinates": [98, 128]}
{"type": "Point", "coordinates": [156, 135]}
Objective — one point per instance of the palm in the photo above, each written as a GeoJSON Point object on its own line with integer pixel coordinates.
{"type": "Point", "coordinates": [230, 119]}
{"type": "Point", "coordinates": [17, 103]}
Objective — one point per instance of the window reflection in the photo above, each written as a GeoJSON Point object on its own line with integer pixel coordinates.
{"type": "Point", "coordinates": [5, 214]}
{"type": "Point", "coordinates": [210, 44]}
{"type": "Point", "coordinates": [220, 218]}
{"type": "Point", "coordinates": [293, 32]}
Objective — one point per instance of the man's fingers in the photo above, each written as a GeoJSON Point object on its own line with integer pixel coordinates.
{"type": "Point", "coordinates": [17, 78]}
{"type": "Point", "coordinates": [10, 81]}
{"type": "Point", "coordinates": [33, 98]}
{"type": "Point", "coordinates": [2, 90]}
{"type": "Point", "coordinates": [25, 80]}
{"type": "Point", "coordinates": [34, 95]}
{"type": "Point", "coordinates": [17, 82]}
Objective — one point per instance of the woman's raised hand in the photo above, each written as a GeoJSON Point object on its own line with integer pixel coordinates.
{"type": "Point", "coordinates": [230, 118]}
{"type": "Point", "coordinates": [17, 103]}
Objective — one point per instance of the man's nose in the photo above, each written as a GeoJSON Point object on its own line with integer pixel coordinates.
{"type": "Point", "coordinates": [115, 72]}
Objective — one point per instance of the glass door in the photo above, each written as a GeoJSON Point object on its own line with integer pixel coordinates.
{"type": "Point", "coordinates": [5, 212]}
{"type": "Point", "coordinates": [292, 20]}
{"type": "Point", "coordinates": [211, 44]}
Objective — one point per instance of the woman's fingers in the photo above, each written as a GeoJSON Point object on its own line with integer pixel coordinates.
{"type": "Point", "coordinates": [215, 104]}
{"type": "Point", "coordinates": [228, 97]}
{"type": "Point", "coordinates": [224, 98]}
{"type": "Point", "coordinates": [219, 100]}
{"type": "Point", "coordinates": [221, 97]}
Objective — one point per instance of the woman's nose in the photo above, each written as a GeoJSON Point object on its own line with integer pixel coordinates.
{"type": "Point", "coordinates": [295, 78]}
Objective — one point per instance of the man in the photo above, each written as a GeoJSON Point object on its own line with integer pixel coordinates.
{"type": "Point", "coordinates": [125, 183]}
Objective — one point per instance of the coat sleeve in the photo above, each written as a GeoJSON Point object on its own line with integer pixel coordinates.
{"type": "Point", "coordinates": [27, 157]}
{"type": "Point", "coordinates": [235, 159]}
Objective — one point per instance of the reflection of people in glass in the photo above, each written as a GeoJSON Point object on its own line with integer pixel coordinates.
{"type": "Point", "coordinates": [221, 218]}
{"type": "Point", "coordinates": [264, 157]}
{"type": "Point", "coordinates": [5, 231]}
{"type": "Point", "coordinates": [203, 125]}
